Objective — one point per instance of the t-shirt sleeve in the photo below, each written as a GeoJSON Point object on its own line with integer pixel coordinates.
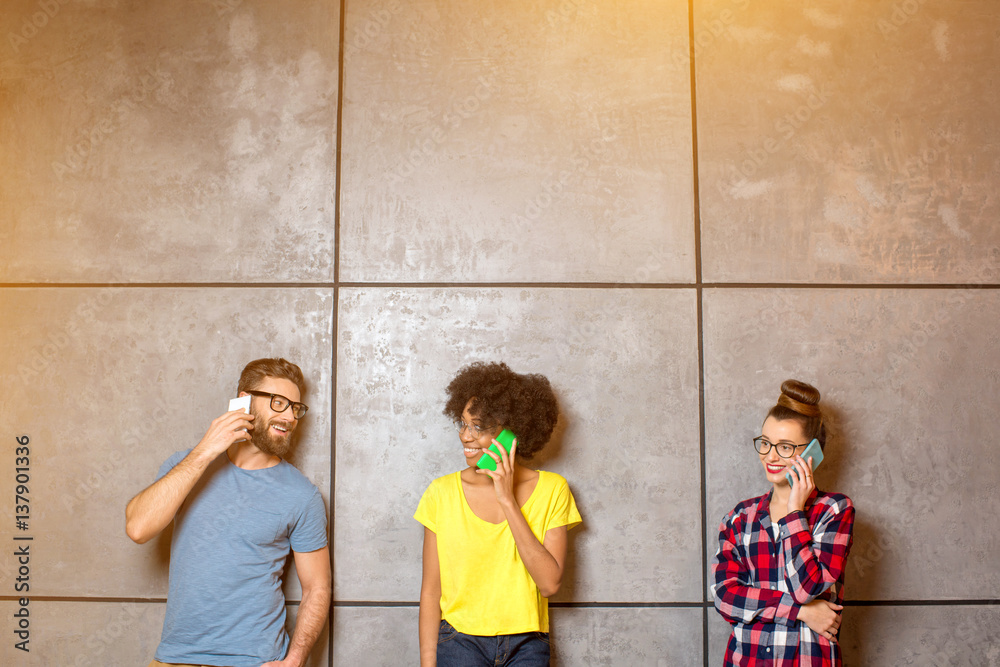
{"type": "Point", "coordinates": [427, 509]}
{"type": "Point", "coordinates": [309, 532]}
{"type": "Point", "coordinates": [171, 461]}
{"type": "Point", "coordinates": [562, 507]}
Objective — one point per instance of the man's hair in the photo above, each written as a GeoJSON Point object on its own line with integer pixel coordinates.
{"type": "Point", "coordinates": [500, 397]}
{"type": "Point", "coordinates": [255, 372]}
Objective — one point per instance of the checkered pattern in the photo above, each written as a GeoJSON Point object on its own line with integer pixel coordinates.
{"type": "Point", "coordinates": [760, 583]}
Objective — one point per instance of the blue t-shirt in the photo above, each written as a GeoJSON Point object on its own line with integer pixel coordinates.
{"type": "Point", "coordinates": [231, 539]}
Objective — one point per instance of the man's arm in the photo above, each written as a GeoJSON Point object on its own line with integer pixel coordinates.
{"type": "Point", "coordinates": [313, 568]}
{"type": "Point", "coordinates": [154, 508]}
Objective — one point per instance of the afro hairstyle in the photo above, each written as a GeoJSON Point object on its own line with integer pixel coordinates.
{"type": "Point", "coordinates": [525, 404]}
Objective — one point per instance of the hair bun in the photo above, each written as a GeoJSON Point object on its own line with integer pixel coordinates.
{"type": "Point", "coordinates": [800, 397]}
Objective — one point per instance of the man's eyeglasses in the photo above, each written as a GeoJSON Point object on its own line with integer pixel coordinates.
{"type": "Point", "coordinates": [785, 451]}
{"type": "Point", "coordinates": [476, 429]}
{"type": "Point", "coordinates": [279, 403]}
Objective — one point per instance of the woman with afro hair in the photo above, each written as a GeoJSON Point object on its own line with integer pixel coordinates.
{"type": "Point", "coordinates": [494, 541]}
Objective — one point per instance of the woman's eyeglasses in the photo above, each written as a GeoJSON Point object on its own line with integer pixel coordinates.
{"type": "Point", "coordinates": [785, 451]}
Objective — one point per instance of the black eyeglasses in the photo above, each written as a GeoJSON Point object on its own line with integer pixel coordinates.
{"type": "Point", "coordinates": [279, 403]}
{"type": "Point", "coordinates": [785, 450]}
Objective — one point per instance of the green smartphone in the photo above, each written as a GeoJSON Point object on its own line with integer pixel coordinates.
{"type": "Point", "coordinates": [813, 450]}
{"type": "Point", "coordinates": [506, 438]}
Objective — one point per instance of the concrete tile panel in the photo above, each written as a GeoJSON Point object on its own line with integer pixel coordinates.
{"type": "Point", "coordinates": [95, 634]}
{"type": "Point", "coordinates": [107, 383]}
{"type": "Point", "coordinates": [170, 141]}
{"type": "Point", "coordinates": [548, 144]}
{"type": "Point", "coordinates": [623, 364]}
{"type": "Point", "coordinates": [900, 635]}
{"type": "Point", "coordinates": [661, 637]}
{"type": "Point", "coordinates": [953, 635]}
{"type": "Point", "coordinates": [898, 370]}
{"type": "Point", "coordinates": [719, 631]}
{"type": "Point", "coordinates": [375, 636]}
{"type": "Point", "coordinates": [864, 146]}
{"type": "Point", "coordinates": [84, 634]}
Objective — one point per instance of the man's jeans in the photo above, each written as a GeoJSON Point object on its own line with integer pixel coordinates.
{"type": "Point", "coordinates": [528, 649]}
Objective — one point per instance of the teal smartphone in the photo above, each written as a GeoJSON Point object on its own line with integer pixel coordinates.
{"type": "Point", "coordinates": [813, 450]}
{"type": "Point", "coordinates": [506, 438]}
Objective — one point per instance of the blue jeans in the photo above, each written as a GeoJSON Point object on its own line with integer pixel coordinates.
{"type": "Point", "coordinates": [528, 649]}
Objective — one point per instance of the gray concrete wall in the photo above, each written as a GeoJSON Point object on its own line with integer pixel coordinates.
{"type": "Point", "coordinates": [190, 184]}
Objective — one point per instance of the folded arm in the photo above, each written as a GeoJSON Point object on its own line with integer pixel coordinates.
{"type": "Point", "coordinates": [815, 559]}
{"type": "Point", "coordinates": [736, 600]}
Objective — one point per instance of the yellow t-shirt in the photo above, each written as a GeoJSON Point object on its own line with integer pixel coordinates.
{"type": "Point", "coordinates": [485, 588]}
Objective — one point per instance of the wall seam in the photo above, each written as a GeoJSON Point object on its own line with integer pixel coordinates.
{"type": "Point", "coordinates": [699, 313]}
{"type": "Point", "coordinates": [334, 319]}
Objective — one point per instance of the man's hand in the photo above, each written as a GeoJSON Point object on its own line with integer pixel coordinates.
{"type": "Point", "coordinates": [822, 617]}
{"type": "Point", "coordinates": [223, 432]}
{"type": "Point", "coordinates": [287, 662]}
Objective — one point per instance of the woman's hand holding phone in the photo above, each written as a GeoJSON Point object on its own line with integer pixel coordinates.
{"type": "Point", "coordinates": [803, 485]}
{"type": "Point", "coordinates": [503, 476]}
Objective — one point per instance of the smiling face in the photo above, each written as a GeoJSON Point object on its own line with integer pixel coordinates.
{"type": "Point", "coordinates": [475, 445]}
{"type": "Point", "coordinates": [785, 431]}
{"type": "Point", "coordinates": [272, 431]}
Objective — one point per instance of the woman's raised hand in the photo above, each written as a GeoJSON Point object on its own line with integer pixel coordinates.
{"type": "Point", "coordinates": [803, 486]}
{"type": "Point", "coordinates": [503, 476]}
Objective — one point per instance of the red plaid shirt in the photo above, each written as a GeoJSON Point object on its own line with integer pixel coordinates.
{"type": "Point", "coordinates": [760, 583]}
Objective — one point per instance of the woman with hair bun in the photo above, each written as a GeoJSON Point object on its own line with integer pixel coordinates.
{"type": "Point", "coordinates": [494, 540]}
{"type": "Point", "coordinates": [779, 570]}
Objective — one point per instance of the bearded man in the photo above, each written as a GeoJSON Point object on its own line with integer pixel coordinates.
{"type": "Point", "coordinates": [238, 509]}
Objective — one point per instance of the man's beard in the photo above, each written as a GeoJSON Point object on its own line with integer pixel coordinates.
{"type": "Point", "coordinates": [263, 439]}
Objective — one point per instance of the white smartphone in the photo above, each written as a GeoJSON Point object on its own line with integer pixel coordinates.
{"type": "Point", "coordinates": [240, 403]}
